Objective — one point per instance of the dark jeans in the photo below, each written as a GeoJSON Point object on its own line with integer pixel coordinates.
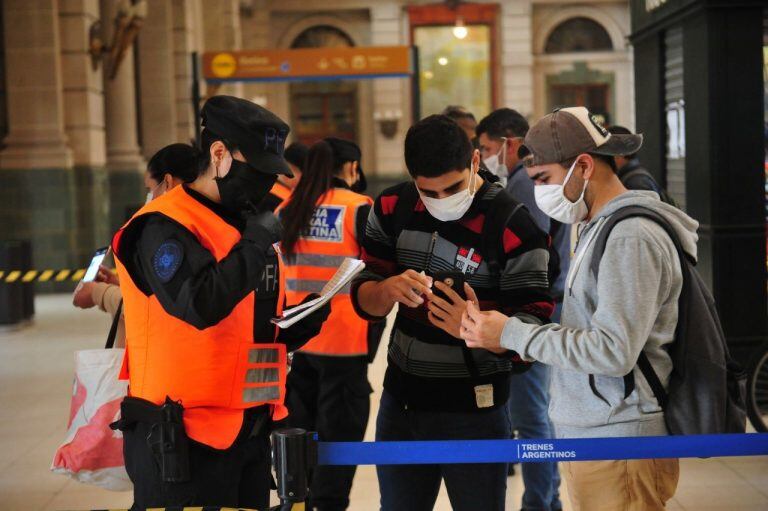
{"type": "Point", "coordinates": [236, 477]}
{"type": "Point", "coordinates": [330, 395]}
{"type": "Point", "coordinates": [528, 408]}
{"type": "Point", "coordinates": [471, 487]}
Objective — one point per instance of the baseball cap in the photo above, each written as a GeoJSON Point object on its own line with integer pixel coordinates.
{"type": "Point", "coordinates": [344, 151]}
{"type": "Point", "coordinates": [568, 132]}
{"type": "Point", "coordinates": [258, 133]}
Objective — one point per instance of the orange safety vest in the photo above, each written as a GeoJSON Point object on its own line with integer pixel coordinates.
{"type": "Point", "coordinates": [280, 191]}
{"type": "Point", "coordinates": [317, 255]}
{"type": "Point", "coordinates": [216, 372]}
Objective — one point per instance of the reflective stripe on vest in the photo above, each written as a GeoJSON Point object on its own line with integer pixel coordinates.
{"type": "Point", "coordinates": [215, 372]}
{"type": "Point", "coordinates": [311, 286]}
{"type": "Point", "coordinates": [319, 260]}
{"type": "Point", "coordinates": [317, 255]}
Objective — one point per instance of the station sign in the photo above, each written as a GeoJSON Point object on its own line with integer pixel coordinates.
{"type": "Point", "coordinates": [307, 64]}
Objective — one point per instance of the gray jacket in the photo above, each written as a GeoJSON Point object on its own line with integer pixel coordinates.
{"type": "Point", "coordinates": [606, 323]}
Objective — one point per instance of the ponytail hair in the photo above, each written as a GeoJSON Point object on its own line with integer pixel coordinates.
{"type": "Point", "coordinates": [316, 180]}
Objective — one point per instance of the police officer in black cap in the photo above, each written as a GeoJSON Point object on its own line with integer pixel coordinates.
{"type": "Point", "coordinates": [201, 281]}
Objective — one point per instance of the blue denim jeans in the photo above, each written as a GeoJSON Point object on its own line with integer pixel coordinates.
{"type": "Point", "coordinates": [415, 487]}
{"type": "Point", "coordinates": [528, 409]}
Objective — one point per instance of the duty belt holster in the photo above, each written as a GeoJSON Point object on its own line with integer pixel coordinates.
{"type": "Point", "coordinates": [258, 421]}
{"type": "Point", "coordinates": [167, 438]}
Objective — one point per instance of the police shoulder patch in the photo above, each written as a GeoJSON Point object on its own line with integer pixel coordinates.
{"type": "Point", "coordinates": [167, 260]}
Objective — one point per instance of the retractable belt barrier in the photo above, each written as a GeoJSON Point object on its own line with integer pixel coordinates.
{"type": "Point", "coordinates": [294, 457]}
{"type": "Point", "coordinates": [517, 451]}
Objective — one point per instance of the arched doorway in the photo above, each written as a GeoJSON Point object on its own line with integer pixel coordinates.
{"type": "Point", "coordinates": [322, 109]}
{"type": "Point", "coordinates": [582, 85]}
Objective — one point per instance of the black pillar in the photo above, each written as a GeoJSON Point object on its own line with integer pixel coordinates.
{"type": "Point", "coordinates": [649, 98]}
{"type": "Point", "coordinates": [724, 176]}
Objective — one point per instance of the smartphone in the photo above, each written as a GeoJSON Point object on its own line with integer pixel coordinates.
{"type": "Point", "coordinates": [93, 268]}
{"type": "Point", "coordinates": [454, 279]}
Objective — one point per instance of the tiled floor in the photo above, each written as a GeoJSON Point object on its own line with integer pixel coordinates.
{"type": "Point", "coordinates": [35, 384]}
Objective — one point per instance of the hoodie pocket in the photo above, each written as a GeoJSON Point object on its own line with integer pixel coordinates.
{"type": "Point", "coordinates": [611, 391]}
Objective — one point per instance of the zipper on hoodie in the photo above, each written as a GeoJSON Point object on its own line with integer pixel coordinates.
{"type": "Point", "coordinates": [432, 243]}
{"type": "Point", "coordinates": [590, 233]}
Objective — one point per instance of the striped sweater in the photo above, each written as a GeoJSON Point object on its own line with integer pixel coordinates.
{"type": "Point", "coordinates": [427, 368]}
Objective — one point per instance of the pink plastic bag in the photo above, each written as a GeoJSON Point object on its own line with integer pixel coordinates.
{"type": "Point", "coordinates": [92, 453]}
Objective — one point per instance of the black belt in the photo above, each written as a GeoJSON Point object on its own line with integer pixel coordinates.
{"type": "Point", "coordinates": [133, 410]}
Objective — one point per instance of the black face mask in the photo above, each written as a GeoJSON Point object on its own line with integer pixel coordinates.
{"type": "Point", "coordinates": [244, 187]}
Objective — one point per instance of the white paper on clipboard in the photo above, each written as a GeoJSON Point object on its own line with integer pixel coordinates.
{"type": "Point", "coordinates": [343, 276]}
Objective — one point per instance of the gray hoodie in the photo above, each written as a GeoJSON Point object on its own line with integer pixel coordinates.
{"type": "Point", "coordinates": [606, 323]}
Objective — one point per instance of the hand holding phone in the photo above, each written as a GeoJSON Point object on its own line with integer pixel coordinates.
{"type": "Point", "coordinates": [93, 268]}
{"type": "Point", "coordinates": [448, 302]}
{"type": "Point", "coordinates": [107, 276]}
{"type": "Point", "coordinates": [452, 279]}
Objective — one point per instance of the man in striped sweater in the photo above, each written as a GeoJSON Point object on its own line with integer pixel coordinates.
{"type": "Point", "coordinates": [435, 388]}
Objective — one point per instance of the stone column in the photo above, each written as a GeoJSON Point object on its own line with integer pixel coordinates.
{"type": "Point", "coordinates": [184, 43]}
{"type": "Point", "coordinates": [84, 125]}
{"type": "Point", "coordinates": [156, 77]}
{"type": "Point", "coordinates": [36, 136]}
{"type": "Point", "coordinates": [517, 56]}
{"type": "Point", "coordinates": [389, 95]}
{"type": "Point", "coordinates": [257, 35]}
{"type": "Point", "coordinates": [222, 31]}
{"type": "Point", "coordinates": [120, 103]}
{"type": "Point", "coordinates": [36, 164]}
{"type": "Point", "coordinates": [83, 85]}
{"type": "Point", "coordinates": [125, 163]}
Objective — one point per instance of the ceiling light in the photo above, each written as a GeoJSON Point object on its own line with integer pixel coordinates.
{"type": "Point", "coordinates": [460, 31]}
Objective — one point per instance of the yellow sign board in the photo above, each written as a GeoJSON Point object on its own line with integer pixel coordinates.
{"type": "Point", "coordinates": [308, 63]}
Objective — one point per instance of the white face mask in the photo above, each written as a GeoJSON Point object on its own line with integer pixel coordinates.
{"type": "Point", "coordinates": [454, 206]}
{"type": "Point", "coordinates": [497, 164]}
{"type": "Point", "coordinates": [552, 201]}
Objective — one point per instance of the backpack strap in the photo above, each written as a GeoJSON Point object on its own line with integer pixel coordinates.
{"type": "Point", "coordinates": [501, 209]}
{"type": "Point", "coordinates": [653, 379]}
{"type": "Point", "coordinates": [623, 214]}
{"type": "Point", "coordinates": [597, 254]}
{"type": "Point", "coordinates": [404, 207]}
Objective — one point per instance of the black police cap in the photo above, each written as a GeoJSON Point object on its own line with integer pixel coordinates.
{"type": "Point", "coordinates": [344, 151]}
{"type": "Point", "coordinates": [258, 133]}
